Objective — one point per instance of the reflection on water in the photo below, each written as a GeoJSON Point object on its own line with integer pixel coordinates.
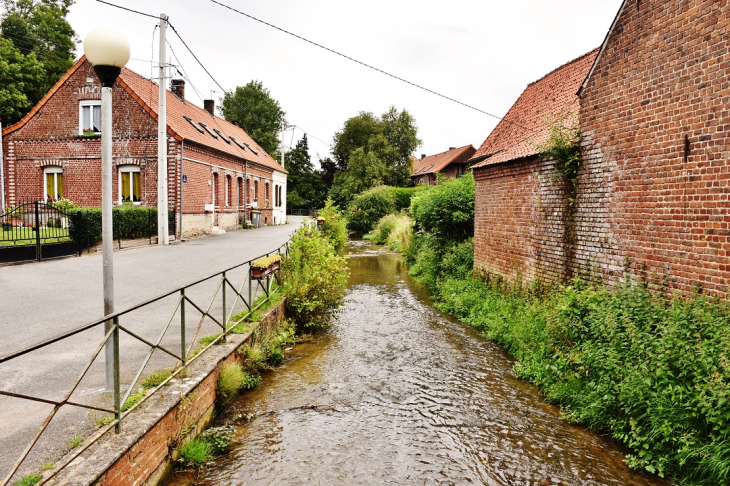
{"type": "Point", "coordinates": [398, 393]}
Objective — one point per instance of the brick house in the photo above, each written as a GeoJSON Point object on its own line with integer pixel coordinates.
{"type": "Point", "coordinates": [655, 182]}
{"type": "Point", "coordinates": [653, 189]}
{"type": "Point", "coordinates": [451, 163]}
{"type": "Point", "coordinates": [520, 206]}
{"type": "Point", "coordinates": [216, 172]}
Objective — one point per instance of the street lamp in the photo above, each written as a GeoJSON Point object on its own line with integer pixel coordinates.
{"type": "Point", "coordinates": [108, 50]}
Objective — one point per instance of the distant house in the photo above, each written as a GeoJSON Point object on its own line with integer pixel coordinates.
{"type": "Point", "coordinates": [520, 205]}
{"type": "Point", "coordinates": [216, 173]}
{"type": "Point", "coordinates": [451, 163]}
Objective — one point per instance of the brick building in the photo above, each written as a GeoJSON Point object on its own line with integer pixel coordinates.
{"type": "Point", "coordinates": [216, 172]}
{"type": "Point", "coordinates": [655, 182]}
{"type": "Point", "coordinates": [451, 163]}
{"type": "Point", "coordinates": [520, 208]}
{"type": "Point", "coordinates": [653, 187]}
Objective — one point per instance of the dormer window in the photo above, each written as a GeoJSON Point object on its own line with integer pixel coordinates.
{"type": "Point", "coordinates": [238, 143]}
{"type": "Point", "coordinates": [223, 137]}
{"type": "Point", "coordinates": [210, 132]}
{"type": "Point", "coordinates": [249, 147]}
{"type": "Point", "coordinates": [195, 125]}
{"type": "Point", "coordinates": [89, 117]}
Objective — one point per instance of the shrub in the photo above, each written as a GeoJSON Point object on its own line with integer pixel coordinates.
{"type": "Point", "coordinates": [127, 222]}
{"type": "Point", "coordinates": [446, 210]}
{"type": "Point", "coordinates": [315, 278]}
{"type": "Point", "coordinates": [230, 381]}
{"type": "Point", "coordinates": [368, 207]}
{"type": "Point", "coordinates": [334, 226]}
{"type": "Point", "coordinates": [402, 196]}
{"type": "Point", "coordinates": [196, 452]}
{"type": "Point", "coordinates": [395, 230]}
{"type": "Point", "coordinates": [219, 438]}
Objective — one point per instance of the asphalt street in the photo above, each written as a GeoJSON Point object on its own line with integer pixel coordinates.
{"type": "Point", "coordinates": [43, 299]}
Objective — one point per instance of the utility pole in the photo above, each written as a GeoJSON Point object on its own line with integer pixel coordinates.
{"type": "Point", "coordinates": [162, 231]}
{"type": "Point", "coordinates": [2, 173]}
{"type": "Point", "coordinates": [283, 127]}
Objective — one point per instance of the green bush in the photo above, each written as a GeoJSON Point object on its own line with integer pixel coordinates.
{"type": "Point", "coordinates": [402, 196]}
{"type": "Point", "coordinates": [654, 372]}
{"type": "Point", "coordinates": [367, 208]}
{"type": "Point", "coordinates": [219, 438]}
{"type": "Point", "coordinates": [446, 210]}
{"type": "Point", "coordinates": [230, 380]}
{"type": "Point", "coordinates": [196, 452]}
{"type": "Point", "coordinates": [334, 226]}
{"type": "Point", "coordinates": [127, 222]}
{"type": "Point", "coordinates": [394, 230]}
{"type": "Point", "coordinates": [315, 278]}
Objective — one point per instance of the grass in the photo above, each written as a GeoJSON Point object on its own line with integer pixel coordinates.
{"type": "Point", "coordinates": [29, 480]}
{"type": "Point", "coordinates": [196, 452]}
{"type": "Point", "coordinates": [156, 378]}
{"type": "Point", "coordinates": [394, 230]}
{"type": "Point", "coordinates": [134, 399]}
{"type": "Point", "coordinates": [230, 381]}
{"type": "Point", "coordinates": [47, 466]}
{"type": "Point", "coordinates": [74, 441]}
{"type": "Point", "coordinates": [26, 236]}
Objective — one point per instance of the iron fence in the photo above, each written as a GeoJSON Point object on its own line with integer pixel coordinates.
{"type": "Point", "coordinates": [233, 300]}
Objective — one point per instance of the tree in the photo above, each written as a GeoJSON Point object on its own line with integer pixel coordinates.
{"type": "Point", "coordinates": [256, 112]}
{"type": "Point", "coordinates": [17, 73]}
{"type": "Point", "coordinates": [304, 185]}
{"type": "Point", "coordinates": [371, 151]}
{"type": "Point", "coordinates": [39, 28]}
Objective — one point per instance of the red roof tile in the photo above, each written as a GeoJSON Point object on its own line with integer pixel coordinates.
{"type": "Point", "coordinates": [524, 127]}
{"type": "Point", "coordinates": [436, 163]}
{"type": "Point", "coordinates": [146, 93]}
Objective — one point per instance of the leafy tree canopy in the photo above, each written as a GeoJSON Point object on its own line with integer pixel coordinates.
{"type": "Point", "coordinates": [257, 113]}
{"type": "Point", "coordinates": [40, 45]}
{"type": "Point", "coordinates": [304, 185]}
{"type": "Point", "coordinates": [370, 151]}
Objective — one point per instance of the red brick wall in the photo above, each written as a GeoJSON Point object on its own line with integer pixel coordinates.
{"type": "Point", "coordinates": [661, 78]}
{"type": "Point", "coordinates": [519, 227]}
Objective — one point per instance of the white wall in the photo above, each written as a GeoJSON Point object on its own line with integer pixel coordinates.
{"type": "Point", "coordinates": [279, 213]}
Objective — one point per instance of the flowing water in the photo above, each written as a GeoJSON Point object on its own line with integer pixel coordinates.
{"type": "Point", "coordinates": [399, 393]}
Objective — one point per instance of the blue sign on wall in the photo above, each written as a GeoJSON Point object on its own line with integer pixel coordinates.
{"type": "Point", "coordinates": [185, 178]}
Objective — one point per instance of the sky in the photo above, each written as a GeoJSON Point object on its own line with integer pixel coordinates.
{"type": "Point", "coordinates": [482, 53]}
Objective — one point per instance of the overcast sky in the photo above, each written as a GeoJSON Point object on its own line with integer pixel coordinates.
{"type": "Point", "coordinates": [480, 52]}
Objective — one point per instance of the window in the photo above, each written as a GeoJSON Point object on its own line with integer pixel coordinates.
{"type": "Point", "coordinates": [210, 132]}
{"type": "Point", "coordinates": [266, 194]}
{"type": "Point", "coordinates": [223, 137]}
{"type": "Point", "coordinates": [130, 185]}
{"type": "Point", "coordinates": [89, 117]}
{"type": "Point", "coordinates": [240, 192]}
{"type": "Point", "coordinates": [249, 147]}
{"type": "Point", "coordinates": [255, 191]}
{"type": "Point", "coordinates": [238, 143]}
{"type": "Point", "coordinates": [53, 188]}
{"type": "Point", "coordinates": [215, 189]}
{"type": "Point", "coordinates": [195, 125]}
{"type": "Point", "coordinates": [229, 190]}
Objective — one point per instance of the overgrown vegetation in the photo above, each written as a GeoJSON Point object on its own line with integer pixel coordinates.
{"type": "Point", "coordinates": [314, 278]}
{"type": "Point", "coordinates": [650, 370]}
{"type": "Point", "coordinates": [196, 452]}
{"type": "Point", "coordinates": [231, 379]}
{"type": "Point", "coordinates": [334, 226]}
{"type": "Point", "coordinates": [393, 230]}
{"type": "Point", "coordinates": [29, 480]}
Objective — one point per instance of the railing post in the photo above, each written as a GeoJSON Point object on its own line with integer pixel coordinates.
{"type": "Point", "coordinates": [117, 394]}
{"type": "Point", "coordinates": [78, 232]}
{"type": "Point", "coordinates": [182, 328]}
{"type": "Point", "coordinates": [37, 233]}
{"type": "Point", "coordinates": [250, 302]}
{"type": "Point", "coordinates": [225, 314]}
{"type": "Point", "coordinates": [149, 223]}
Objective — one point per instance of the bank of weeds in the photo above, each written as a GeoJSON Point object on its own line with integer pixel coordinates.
{"type": "Point", "coordinates": [648, 368]}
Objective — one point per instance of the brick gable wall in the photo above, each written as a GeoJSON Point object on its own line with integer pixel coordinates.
{"type": "Point", "coordinates": [661, 78]}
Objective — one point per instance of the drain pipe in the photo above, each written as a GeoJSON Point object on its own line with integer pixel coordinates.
{"type": "Point", "coordinates": [2, 172]}
{"type": "Point", "coordinates": [180, 199]}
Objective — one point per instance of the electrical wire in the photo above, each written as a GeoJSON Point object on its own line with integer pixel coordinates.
{"type": "Point", "coordinates": [129, 9]}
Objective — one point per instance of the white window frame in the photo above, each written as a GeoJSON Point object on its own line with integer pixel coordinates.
{"type": "Point", "coordinates": [88, 103]}
{"type": "Point", "coordinates": [53, 169]}
{"type": "Point", "coordinates": [130, 168]}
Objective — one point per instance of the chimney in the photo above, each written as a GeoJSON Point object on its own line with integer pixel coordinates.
{"type": "Point", "coordinates": [177, 86]}
{"type": "Point", "coordinates": [235, 122]}
{"type": "Point", "coordinates": [209, 106]}
{"type": "Point", "coordinates": [423, 156]}
{"type": "Point", "coordinates": [452, 148]}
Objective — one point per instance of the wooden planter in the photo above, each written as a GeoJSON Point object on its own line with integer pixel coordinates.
{"type": "Point", "coordinates": [259, 273]}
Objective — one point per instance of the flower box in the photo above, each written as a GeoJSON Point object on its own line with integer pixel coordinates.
{"type": "Point", "coordinates": [263, 267]}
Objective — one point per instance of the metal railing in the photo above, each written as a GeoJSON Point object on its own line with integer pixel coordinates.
{"type": "Point", "coordinates": [184, 302]}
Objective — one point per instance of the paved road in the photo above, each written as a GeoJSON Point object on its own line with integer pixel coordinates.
{"type": "Point", "coordinates": [41, 300]}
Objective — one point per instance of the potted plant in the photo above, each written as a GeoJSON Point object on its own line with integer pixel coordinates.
{"type": "Point", "coordinates": [265, 266]}
{"type": "Point", "coordinates": [320, 222]}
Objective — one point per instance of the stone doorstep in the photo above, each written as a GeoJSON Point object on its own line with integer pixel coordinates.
{"type": "Point", "coordinates": [91, 466]}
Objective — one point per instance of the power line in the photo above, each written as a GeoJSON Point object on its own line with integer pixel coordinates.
{"type": "Point", "coordinates": [355, 60]}
{"type": "Point", "coordinates": [129, 9]}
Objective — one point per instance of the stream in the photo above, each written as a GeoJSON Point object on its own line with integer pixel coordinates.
{"type": "Point", "coordinates": [399, 393]}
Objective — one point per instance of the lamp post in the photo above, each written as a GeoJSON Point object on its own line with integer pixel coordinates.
{"type": "Point", "coordinates": [108, 50]}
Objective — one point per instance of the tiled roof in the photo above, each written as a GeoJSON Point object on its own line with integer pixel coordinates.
{"type": "Point", "coordinates": [524, 127]}
{"type": "Point", "coordinates": [436, 163]}
{"type": "Point", "coordinates": [146, 93]}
